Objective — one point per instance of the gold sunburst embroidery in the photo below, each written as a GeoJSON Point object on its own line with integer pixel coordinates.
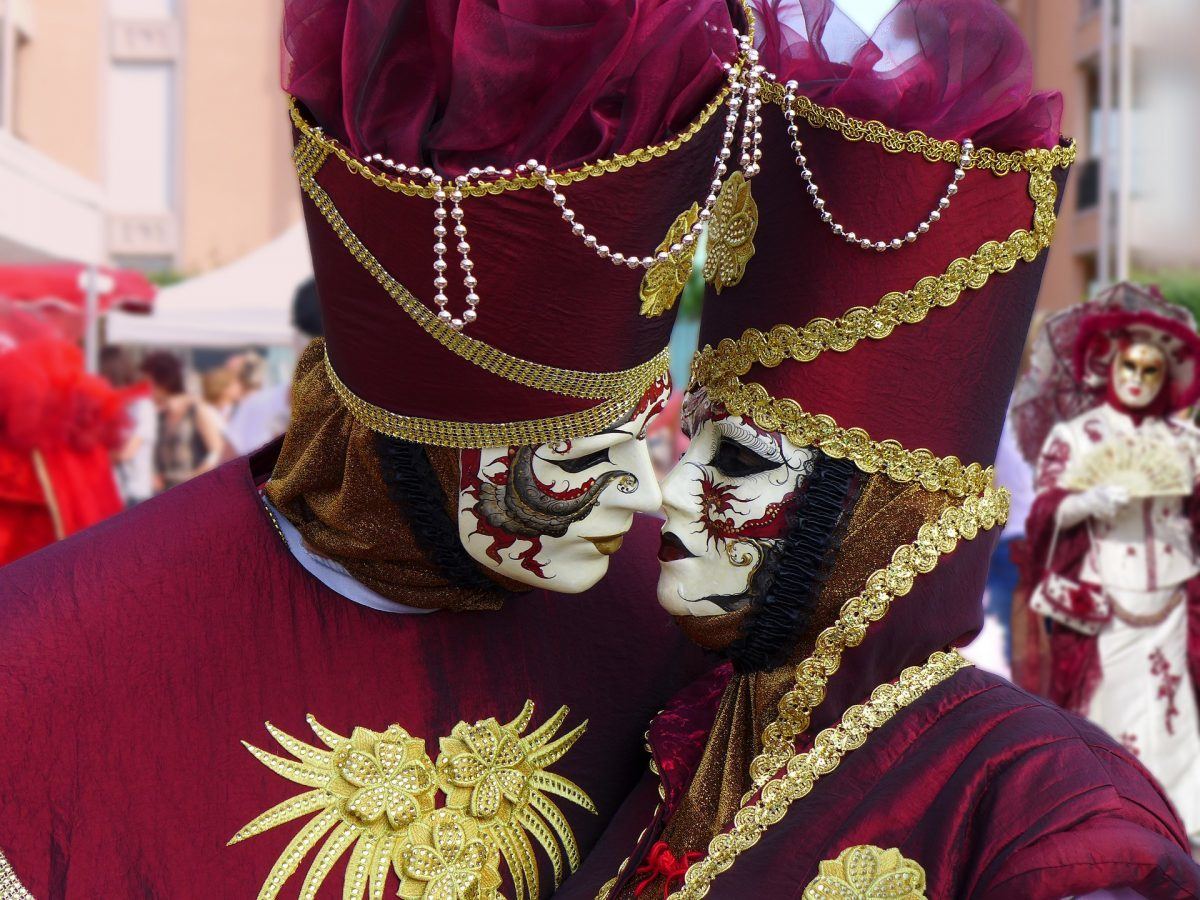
{"type": "Point", "coordinates": [731, 233]}
{"type": "Point", "coordinates": [664, 281]}
{"type": "Point", "coordinates": [375, 795]}
{"type": "Point", "coordinates": [868, 873]}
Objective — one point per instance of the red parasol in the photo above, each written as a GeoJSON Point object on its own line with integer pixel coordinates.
{"type": "Point", "coordinates": [64, 285]}
{"type": "Point", "coordinates": [1049, 392]}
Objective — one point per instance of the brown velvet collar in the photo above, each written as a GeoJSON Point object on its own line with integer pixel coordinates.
{"type": "Point", "coordinates": [327, 482]}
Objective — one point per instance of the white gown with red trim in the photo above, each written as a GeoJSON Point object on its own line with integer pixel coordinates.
{"type": "Point", "coordinates": [1142, 558]}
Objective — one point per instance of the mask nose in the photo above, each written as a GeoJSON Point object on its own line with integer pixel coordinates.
{"type": "Point", "coordinates": [645, 497]}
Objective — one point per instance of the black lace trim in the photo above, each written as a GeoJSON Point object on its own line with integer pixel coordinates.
{"type": "Point", "coordinates": [413, 486]}
{"type": "Point", "coordinates": [787, 585]}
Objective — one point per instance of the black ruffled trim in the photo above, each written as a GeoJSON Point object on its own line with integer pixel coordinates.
{"type": "Point", "coordinates": [413, 486]}
{"type": "Point", "coordinates": [789, 582]}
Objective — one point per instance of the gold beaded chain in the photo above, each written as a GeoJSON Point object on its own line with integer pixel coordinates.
{"type": "Point", "coordinates": [804, 770]}
{"type": "Point", "coordinates": [734, 357]}
{"type": "Point", "coordinates": [10, 886]}
{"type": "Point", "coordinates": [519, 182]}
{"type": "Point", "coordinates": [895, 141]}
{"type": "Point", "coordinates": [461, 435]}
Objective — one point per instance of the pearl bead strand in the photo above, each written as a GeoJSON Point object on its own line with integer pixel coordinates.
{"type": "Point", "coordinates": [850, 237]}
{"type": "Point", "coordinates": [744, 105]}
{"type": "Point", "coordinates": [743, 88]}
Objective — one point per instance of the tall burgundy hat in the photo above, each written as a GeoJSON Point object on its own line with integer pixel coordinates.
{"type": "Point", "coordinates": [470, 299]}
{"type": "Point", "coordinates": [907, 197]}
{"type": "Point", "coordinates": [1102, 335]}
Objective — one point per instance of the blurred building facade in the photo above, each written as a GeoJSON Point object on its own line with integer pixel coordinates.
{"type": "Point", "coordinates": [149, 133]}
{"type": "Point", "coordinates": [1128, 73]}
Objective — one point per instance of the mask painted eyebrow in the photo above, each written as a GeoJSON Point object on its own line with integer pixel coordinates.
{"type": "Point", "coordinates": [751, 440]}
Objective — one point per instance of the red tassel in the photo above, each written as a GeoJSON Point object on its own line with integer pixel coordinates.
{"type": "Point", "coordinates": [661, 862]}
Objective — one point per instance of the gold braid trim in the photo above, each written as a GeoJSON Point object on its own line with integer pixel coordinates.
{"type": "Point", "coordinates": [735, 357]}
{"type": "Point", "coordinates": [934, 540]}
{"type": "Point", "coordinates": [805, 429]}
{"type": "Point", "coordinates": [309, 158]}
{"type": "Point", "coordinates": [461, 435]}
{"type": "Point", "coordinates": [10, 886]}
{"type": "Point", "coordinates": [934, 150]}
{"type": "Point", "coordinates": [804, 770]}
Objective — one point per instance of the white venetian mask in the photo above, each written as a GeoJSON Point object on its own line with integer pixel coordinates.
{"type": "Point", "coordinates": [727, 501]}
{"type": "Point", "coordinates": [551, 516]}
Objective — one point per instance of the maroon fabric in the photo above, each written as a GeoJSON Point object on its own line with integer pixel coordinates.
{"type": "Point", "coordinates": [677, 734]}
{"type": "Point", "coordinates": [942, 384]}
{"type": "Point", "coordinates": [546, 297]}
{"type": "Point", "coordinates": [494, 82]}
{"type": "Point", "coordinates": [139, 654]}
{"type": "Point", "coordinates": [994, 792]}
{"type": "Point", "coordinates": [952, 68]}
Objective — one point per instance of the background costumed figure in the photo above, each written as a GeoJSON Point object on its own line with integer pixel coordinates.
{"type": "Point", "coordinates": [830, 526]}
{"type": "Point", "coordinates": [1111, 556]}
{"type": "Point", "coordinates": [58, 425]}
{"type": "Point", "coordinates": [469, 437]}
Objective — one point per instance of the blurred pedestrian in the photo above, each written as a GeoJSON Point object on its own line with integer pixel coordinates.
{"type": "Point", "coordinates": [189, 431]}
{"type": "Point", "coordinates": [133, 460]}
{"type": "Point", "coordinates": [223, 390]}
{"type": "Point", "coordinates": [265, 414]}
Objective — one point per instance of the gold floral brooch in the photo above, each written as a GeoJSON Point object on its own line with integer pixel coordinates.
{"type": "Point", "coordinates": [375, 795]}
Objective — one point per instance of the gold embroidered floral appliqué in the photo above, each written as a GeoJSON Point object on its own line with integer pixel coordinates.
{"type": "Point", "coordinates": [665, 280]}
{"type": "Point", "coordinates": [731, 234]}
{"type": "Point", "coordinates": [868, 873]}
{"type": "Point", "coordinates": [375, 795]}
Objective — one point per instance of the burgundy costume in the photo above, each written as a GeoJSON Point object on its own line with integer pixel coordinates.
{"type": "Point", "coordinates": [139, 655]}
{"type": "Point", "coordinates": [974, 788]}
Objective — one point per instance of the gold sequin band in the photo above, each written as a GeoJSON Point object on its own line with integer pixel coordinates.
{"type": "Point", "coordinates": [894, 141]}
{"type": "Point", "coordinates": [462, 435]}
{"type": "Point", "coordinates": [805, 769]}
{"type": "Point", "coordinates": [735, 357]}
{"type": "Point", "coordinates": [10, 886]}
